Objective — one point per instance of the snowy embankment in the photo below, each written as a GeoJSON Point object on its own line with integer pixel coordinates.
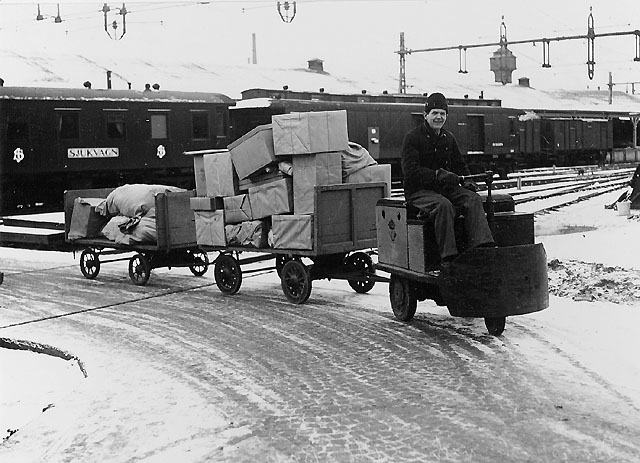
{"type": "Point", "coordinates": [593, 252]}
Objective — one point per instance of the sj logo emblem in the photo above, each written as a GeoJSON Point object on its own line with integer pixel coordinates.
{"type": "Point", "coordinates": [392, 230]}
{"type": "Point", "coordinates": [18, 155]}
{"type": "Point", "coordinates": [160, 152]}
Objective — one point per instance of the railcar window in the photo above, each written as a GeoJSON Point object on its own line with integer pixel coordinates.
{"type": "Point", "coordinates": [69, 126]}
{"type": "Point", "coordinates": [17, 130]}
{"type": "Point", "coordinates": [200, 124]}
{"type": "Point", "coordinates": [116, 127]}
{"type": "Point", "coordinates": [221, 123]}
{"type": "Point", "coordinates": [159, 126]}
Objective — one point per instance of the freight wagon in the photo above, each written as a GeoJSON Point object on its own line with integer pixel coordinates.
{"type": "Point", "coordinates": [491, 136]}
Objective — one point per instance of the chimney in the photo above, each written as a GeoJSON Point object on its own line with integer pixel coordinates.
{"type": "Point", "coordinates": [109, 80]}
{"type": "Point", "coordinates": [1, 82]}
{"type": "Point", "coordinates": [254, 49]}
{"type": "Point", "coordinates": [523, 82]}
{"type": "Point", "coordinates": [316, 64]}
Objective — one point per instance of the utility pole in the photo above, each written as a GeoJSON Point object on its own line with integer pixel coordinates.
{"type": "Point", "coordinates": [612, 83]}
{"type": "Point", "coordinates": [402, 87]}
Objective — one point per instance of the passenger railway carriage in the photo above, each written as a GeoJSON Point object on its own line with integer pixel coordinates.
{"type": "Point", "coordinates": [54, 139]}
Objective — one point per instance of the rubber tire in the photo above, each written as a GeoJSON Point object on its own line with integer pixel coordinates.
{"type": "Point", "coordinates": [296, 281]}
{"type": "Point", "coordinates": [139, 269]}
{"type": "Point", "coordinates": [201, 265]}
{"type": "Point", "coordinates": [495, 325]}
{"type": "Point", "coordinates": [89, 264]}
{"type": "Point", "coordinates": [360, 261]}
{"type": "Point", "coordinates": [403, 298]}
{"type": "Point", "coordinates": [227, 273]}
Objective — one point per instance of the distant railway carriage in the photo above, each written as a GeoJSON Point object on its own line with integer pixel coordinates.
{"type": "Point", "coordinates": [564, 140]}
{"type": "Point", "coordinates": [55, 139]}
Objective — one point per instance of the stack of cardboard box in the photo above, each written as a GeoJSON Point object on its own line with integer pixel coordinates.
{"type": "Point", "coordinates": [260, 191]}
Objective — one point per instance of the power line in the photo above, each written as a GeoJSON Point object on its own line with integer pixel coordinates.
{"type": "Point", "coordinates": [504, 59]}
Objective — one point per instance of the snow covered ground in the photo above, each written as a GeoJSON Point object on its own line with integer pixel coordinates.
{"type": "Point", "coordinates": [587, 245]}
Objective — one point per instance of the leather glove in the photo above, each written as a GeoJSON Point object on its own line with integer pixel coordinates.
{"type": "Point", "coordinates": [470, 185]}
{"type": "Point", "coordinates": [446, 178]}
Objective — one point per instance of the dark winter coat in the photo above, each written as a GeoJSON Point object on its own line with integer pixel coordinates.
{"type": "Point", "coordinates": [423, 153]}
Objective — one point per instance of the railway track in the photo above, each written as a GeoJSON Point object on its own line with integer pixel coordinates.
{"type": "Point", "coordinates": [544, 191]}
{"type": "Point", "coordinates": [551, 197]}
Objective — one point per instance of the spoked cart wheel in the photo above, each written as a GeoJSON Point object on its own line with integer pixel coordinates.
{"type": "Point", "coordinates": [89, 263]}
{"type": "Point", "coordinates": [403, 298]}
{"type": "Point", "coordinates": [139, 269]}
{"type": "Point", "coordinates": [280, 261]}
{"type": "Point", "coordinates": [296, 281]}
{"type": "Point", "coordinates": [200, 262]}
{"type": "Point", "coordinates": [495, 325]}
{"type": "Point", "coordinates": [360, 262]}
{"type": "Point", "coordinates": [227, 274]}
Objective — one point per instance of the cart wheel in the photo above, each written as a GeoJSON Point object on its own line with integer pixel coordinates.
{"type": "Point", "coordinates": [139, 269]}
{"type": "Point", "coordinates": [296, 281]}
{"type": "Point", "coordinates": [403, 298]}
{"type": "Point", "coordinates": [201, 262]}
{"type": "Point", "coordinates": [360, 262]}
{"type": "Point", "coordinates": [495, 325]}
{"type": "Point", "coordinates": [89, 264]}
{"type": "Point", "coordinates": [227, 274]}
{"type": "Point", "coordinates": [280, 261]}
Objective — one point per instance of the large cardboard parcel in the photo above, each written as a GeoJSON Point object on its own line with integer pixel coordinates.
{"type": "Point", "coordinates": [220, 176]}
{"type": "Point", "coordinates": [206, 203]}
{"type": "Point", "coordinates": [310, 132]}
{"type": "Point", "coordinates": [292, 231]}
{"type": "Point", "coordinates": [253, 151]}
{"type": "Point", "coordinates": [377, 173]}
{"type": "Point", "coordinates": [210, 228]}
{"type": "Point", "coordinates": [252, 233]}
{"type": "Point", "coordinates": [271, 198]}
{"type": "Point", "coordinates": [312, 170]}
{"type": "Point", "coordinates": [198, 169]}
{"type": "Point", "coordinates": [237, 209]}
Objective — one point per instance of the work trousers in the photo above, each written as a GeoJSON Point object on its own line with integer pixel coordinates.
{"type": "Point", "coordinates": [441, 209]}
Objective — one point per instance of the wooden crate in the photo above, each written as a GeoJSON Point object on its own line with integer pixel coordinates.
{"type": "Point", "coordinates": [345, 216]}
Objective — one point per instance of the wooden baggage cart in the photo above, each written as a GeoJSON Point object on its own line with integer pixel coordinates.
{"type": "Point", "coordinates": [343, 229]}
{"type": "Point", "coordinates": [176, 239]}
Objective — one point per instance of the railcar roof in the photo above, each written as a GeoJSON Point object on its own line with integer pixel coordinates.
{"type": "Point", "coordinates": [384, 98]}
{"type": "Point", "coordinates": [84, 94]}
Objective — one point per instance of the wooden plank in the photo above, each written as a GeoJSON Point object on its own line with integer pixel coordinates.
{"type": "Point", "coordinates": [32, 236]}
{"type": "Point", "coordinates": [178, 221]}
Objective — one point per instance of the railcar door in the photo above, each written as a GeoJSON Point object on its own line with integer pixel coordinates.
{"type": "Point", "coordinates": [475, 133]}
